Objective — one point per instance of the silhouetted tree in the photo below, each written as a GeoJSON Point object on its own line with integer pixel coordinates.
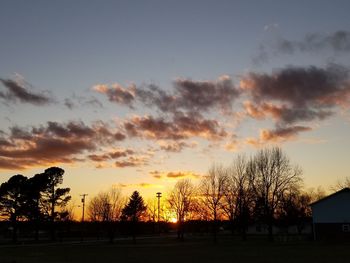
{"type": "Point", "coordinates": [134, 210]}
{"type": "Point", "coordinates": [53, 197]}
{"type": "Point", "coordinates": [271, 177]}
{"type": "Point", "coordinates": [344, 183]}
{"type": "Point", "coordinates": [238, 195]}
{"type": "Point", "coordinates": [34, 187]}
{"type": "Point", "coordinates": [295, 209]}
{"type": "Point", "coordinates": [12, 200]}
{"type": "Point", "coordinates": [106, 206]}
{"type": "Point", "coordinates": [212, 190]}
{"type": "Point", "coordinates": [180, 200]}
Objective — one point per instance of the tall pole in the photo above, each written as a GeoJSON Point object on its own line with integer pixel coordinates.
{"type": "Point", "coordinates": [159, 195]}
{"type": "Point", "coordinates": [83, 201]}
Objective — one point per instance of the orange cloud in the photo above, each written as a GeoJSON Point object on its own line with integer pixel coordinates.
{"type": "Point", "coordinates": [174, 175]}
{"type": "Point", "coordinates": [181, 127]}
{"type": "Point", "coordinates": [52, 143]}
{"type": "Point", "coordinates": [277, 135]}
{"type": "Point", "coordinates": [117, 93]}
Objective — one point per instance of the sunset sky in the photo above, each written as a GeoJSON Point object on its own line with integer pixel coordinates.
{"type": "Point", "coordinates": [138, 94]}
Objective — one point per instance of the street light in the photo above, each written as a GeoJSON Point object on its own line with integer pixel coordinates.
{"type": "Point", "coordinates": [159, 195]}
{"type": "Point", "coordinates": [83, 201]}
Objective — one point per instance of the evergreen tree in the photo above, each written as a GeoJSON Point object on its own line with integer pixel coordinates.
{"type": "Point", "coordinates": [12, 200]}
{"type": "Point", "coordinates": [134, 210]}
{"type": "Point", "coordinates": [51, 196]}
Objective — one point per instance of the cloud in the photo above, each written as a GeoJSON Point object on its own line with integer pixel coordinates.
{"type": "Point", "coordinates": [117, 93]}
{"type": "Point", "coordinates": [295, 94]}
{"type": "Point", "coordinates": [174, 175]}
{"type": "Point", "coordinates": [140, 185]}
{"type": "Point", "coordinates": [186, 95]}
{"type": "Point", "coordinates": [271, 27]}
{"type": "Point", "coordinates": [115, 154]}
{"type": "Point", "coordinates": [82, 101]}
{"type": "Point", "coordinates": [180, 127]}
{"type": "Point", "coordinates": [156, 174]}
{"type": "Point", "coordinates": [278, 135]}
{"type": "Point", "coordinates": [132, 161]}
{"type": "Point", "coordinates": [284, 113]}
{"type": "Point", "coordinates": [52, 143]}
{"type": "Point", "coordinates": [337, 42]}
{"type": "Point", "coordinates": [16, 91]}
{"type": "Point", "coordinates": [192, 96]}
{"type": "Point", "coordinates": [233, 144]}
{"type": "Point", "coordinates": [175, 146]}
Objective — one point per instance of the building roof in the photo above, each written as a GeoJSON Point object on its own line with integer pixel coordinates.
{"type": "Point", "coordinates": [344, 190]}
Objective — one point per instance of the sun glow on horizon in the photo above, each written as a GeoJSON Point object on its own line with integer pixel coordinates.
{"type": "Point", "coordinates": [173, 220]}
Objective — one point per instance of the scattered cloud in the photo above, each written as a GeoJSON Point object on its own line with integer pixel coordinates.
{"type": "Point", "coordinates": [180, 127]}
{"type": "Point", "coordinates": [52, 143]}
{"type": "Point", "coordinates": [174, 175]}
{"type": "Point", "coordinates": [140, 185]}
{"type": "Point", "coordinates": [20, 91]}
{"type": "Point", "coordinates": [270, 27]}
{"type": "Point", "coordinates": [132, 161]}
{"type": "Point", "coordinates": [117, 93]}
{"type": "Point", "coordinates": [297, 94]}
{"type": "Point", "coordinates": [336, 43]}
{"type": "Point", "coordinates": [175, 146]}
{"type": "Point", "coordinates": [278, 135]}
{"type": "Point", "coordinates": [81, 101]}
{"type": "Point", "coordinates": [192, 96]}
{"type": "Point", "coordinates": [187, 95]}
{"type": "Point", "coordinates": [115, 154]}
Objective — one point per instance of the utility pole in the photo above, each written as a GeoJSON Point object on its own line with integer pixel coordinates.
{"type": "Point", "coordinates": [83, 201]}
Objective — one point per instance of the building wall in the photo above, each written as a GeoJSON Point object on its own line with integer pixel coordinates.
{"type": "Point", "coordinates": [334, 231]}
{"type": "Point", "coordinates": [335, 209]}
{"type": "Point", "coordinates": [261, 229]}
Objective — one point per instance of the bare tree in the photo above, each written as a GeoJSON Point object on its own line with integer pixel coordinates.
{"type": "Point", "coordinates": [316, 193]}
{"type": "Point", "coordinates": [271, 176]}
{"type": "Point", "coordinates": [152, 209]}
{"type": "Point", "coordinates": [212, 190]}
{"type": "Point", "coordinates": [180, 199]}
{"type": "Point", "coordinates": [117, 202]}
{"type": "Point", "coordinates": [69, 211]}
{"type": "Point", "coordinates": [106, 206]}
{"type": "Point", "coordinates": [238, 195]}
{"type": "Point", "coordinates": [295, 209]}
{"type": "Point", "coordinates": [344, 183]}
{"type": "Point", "coordinates": [99, 208]}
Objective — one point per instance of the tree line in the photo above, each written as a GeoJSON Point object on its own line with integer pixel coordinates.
{"type": "Point", "coordinates": [264, 188]}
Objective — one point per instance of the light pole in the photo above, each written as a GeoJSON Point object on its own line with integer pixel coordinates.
{"type": "Point", "coordinates": [159, 195]}
{"type": "Point", "coordinates": [83, 201]}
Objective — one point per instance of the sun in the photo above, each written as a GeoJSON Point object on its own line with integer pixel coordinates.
{"type": "Point", "coordinates": [173, 220]}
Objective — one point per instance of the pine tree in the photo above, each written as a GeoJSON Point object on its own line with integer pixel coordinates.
{"type": "Point", "coordinates": [133, 211]}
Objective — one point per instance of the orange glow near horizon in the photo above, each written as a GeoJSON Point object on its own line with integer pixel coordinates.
{"type": "Point", "coordinates": [173, 220]}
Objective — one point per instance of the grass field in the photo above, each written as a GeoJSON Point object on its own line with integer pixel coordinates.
{"type": "Point", "coordinates": [170, 250]}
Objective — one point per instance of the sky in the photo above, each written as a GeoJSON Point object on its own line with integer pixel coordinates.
{"type": "Point", "coordinates": [138, 94]}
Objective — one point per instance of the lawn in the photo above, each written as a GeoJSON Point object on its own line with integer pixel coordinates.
{"type": "Point", "coordinates": [170, 250]}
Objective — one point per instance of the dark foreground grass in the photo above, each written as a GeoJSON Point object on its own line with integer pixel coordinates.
{"type": "Point", "coordinates": [169, 250]}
